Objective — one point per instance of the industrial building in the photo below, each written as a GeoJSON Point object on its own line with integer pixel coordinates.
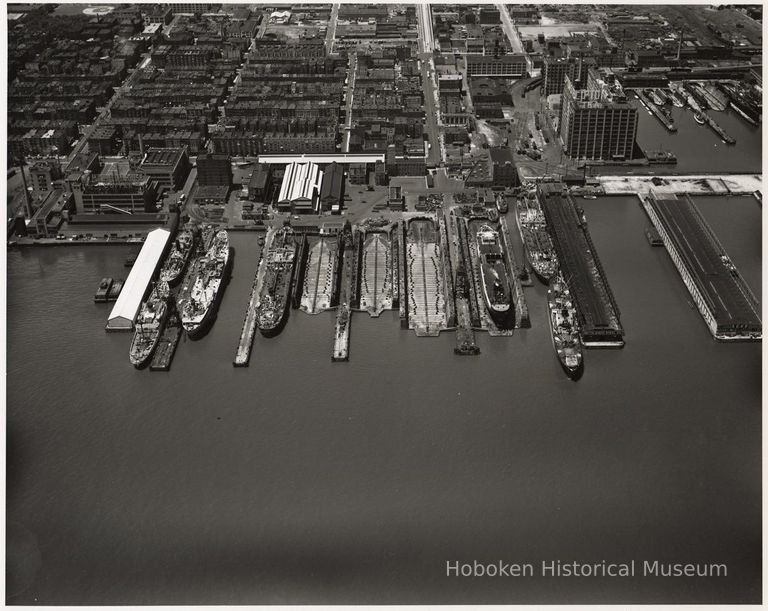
{"type": "Point", "coordinates": [214, 170]}
{"type": "Point", "coordinates": [169, 167]}
{"type": "Point", "coordinates": [131, 193]}
{"type": "Point", "coordinates": [137, 284]}
{"type": "Point", "coordinates": [332, 189]}
{"type": "Point", "coordinates": [555, 69]}
{"type": "Point", "coordinates": [504, 170]}
{"type": "Point", "coordinates": [260, 183]}
{"type": "Point", "coordinates": [725, 301]}
{"type": "Point", "coordinates": [300, 190]}
{"type": "Point", "coordinates": [509, 66]}
{"type": "Point", "coordinates": [597, 122]}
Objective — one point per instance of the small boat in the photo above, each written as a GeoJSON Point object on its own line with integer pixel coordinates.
{"type": "Point", "coordinates": [114, 291]}
{"type": "Point", "coordinates": [699, 118]}
{"type": "Point", "coordinates": [103, 290]}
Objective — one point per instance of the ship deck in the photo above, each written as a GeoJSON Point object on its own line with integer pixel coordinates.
{"type": "Point", "coordinates": [317, 292]}
{"type": "Point", "coordinates": [375, 280]}
{"type": "Point", "coordinates": [426, 302]}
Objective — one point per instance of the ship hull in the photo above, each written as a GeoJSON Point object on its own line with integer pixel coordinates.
{"type": "Point", "coordinates": [198, 330]}
{"type": "Point", "coordinates": [140, 359]}
{"type": "Point", "coordinates": [573, 370]}
{"type": "Point", "coordinates": [544, 270]}
{"type": "Point", "coordinates": [276, 293]}
{"type": "Point", "coordinates": [274, 329]}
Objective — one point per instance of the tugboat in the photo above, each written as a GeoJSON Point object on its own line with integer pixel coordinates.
{"type": "Point", "coordinates": [565, 328]}
{"type": "Point", "coordinates": [200, 309]}
{"type": "Point", "coordinates": [173, 270]}
{"type": "Point", "coordinates": [276, 289]}
{"type": "Point", "coordinates": [149, 325]}
{"type": "Point", "coordinates": [498, 297]}
{"type": "Point", "coordinates": [539, 250]}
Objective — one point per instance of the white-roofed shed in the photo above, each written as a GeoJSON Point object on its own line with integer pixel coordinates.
{"type": "Point", "coordinates": [127, 306]}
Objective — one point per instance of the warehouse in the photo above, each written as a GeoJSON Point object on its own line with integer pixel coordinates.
{"type": "Point", "coordinates": [299, 192]}
{"type": "Point", "coordinates": [136, 286]}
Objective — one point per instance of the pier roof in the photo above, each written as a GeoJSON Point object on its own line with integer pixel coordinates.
{"type": "Point", "coordinates": [128, 303]}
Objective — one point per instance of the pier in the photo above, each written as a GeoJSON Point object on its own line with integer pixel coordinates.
{"type": "Point", "coordinates": [696, 107]}
{"type": "Point", "coordinates": [402, 282]}
{"type": "Point", "coordinates": [445, 258]}
{"type": "Point", "coordinates": [595, 304]}
{"type": "Point", "coordinates": [522, 320]}
{"type": "Point", "coordinates": [717, 129]}
{"type": "Point", "coordinates": [250, 324]}
{"type": "Point", "coordinates": [657, 112]}
{"type": "Point", "coordinates": [375, 274]}
{"type": "Point", "coordinates": [726, 303]}
{"type": "Point", "coordinates": [394, 245]}
{"type": "Point", "coordinates": [319, 280]}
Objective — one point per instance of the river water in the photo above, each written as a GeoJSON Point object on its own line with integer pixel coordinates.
{"type": "Point", "coordinates": [299, 480]}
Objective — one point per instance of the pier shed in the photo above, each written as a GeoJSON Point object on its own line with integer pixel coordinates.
{"type": "Point", "coordinates": [128, 303]}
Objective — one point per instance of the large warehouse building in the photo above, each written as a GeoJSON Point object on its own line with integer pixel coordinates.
{"type": "Point", "coordinates": [127, 306]}
{"type": "Point", "coordinates": [300, 190]}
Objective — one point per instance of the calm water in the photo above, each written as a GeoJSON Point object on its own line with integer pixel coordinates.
{"type": "Point", "coordinates": [697, 147]}
{"type": "Point", "coordinates": [299, 480]}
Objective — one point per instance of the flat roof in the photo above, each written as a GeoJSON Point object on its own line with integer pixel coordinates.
{"type": "Point", "coordinates": [727, 300]}
{"type": "Point", "coordinates": [322, 158]}
{"type": "Point", "coordinates": [128, 303]}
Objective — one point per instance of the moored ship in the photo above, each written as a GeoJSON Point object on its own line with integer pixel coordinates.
{"type": "Point", "coordinates": [213, 268]}
{"type": "Point", "coordinates": [103, 291]}
{"type": "Point", "coordinates": [493, 271]}
{"type": "Point", "coordinates": [564, 327]}
{"type": "Point", "coordinates": [276, 288]}
{"type": "Point", "coordinates": [149, 325]}
{"type": "Point", "coordinates": [173, 270]}
{"type": "Point", "coordinates": [539, 249]}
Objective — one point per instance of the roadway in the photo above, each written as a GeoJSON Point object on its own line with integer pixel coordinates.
{"type": "Point", "coordinates": [125, 86]}
{"type": "Point", "coordinates": [352, 69]}
{"type": "Point", "coordinates": [330, 32]}
{"type": "Point", "coordinates": [434, 155]}
{"type": "Point", "coordinates": [509, 29]}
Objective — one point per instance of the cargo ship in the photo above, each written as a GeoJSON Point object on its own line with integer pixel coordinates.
{"type": "Point", "coordinates": [539, 249]}
{"type": "Point", "coordinates": [173, 270]}
{"type": "Point", "coordinates": [493, 273]}
{"type": "Point", "coordinates": [149, 325]}
{"type": "Point", "coordinates": [103, 291]}
{"type": "Point", "coordinates": [565, 328]}
{"type": "Point", "coordinates": [212, 274]}
{"type": "Point", "coordinates": [276, 288]}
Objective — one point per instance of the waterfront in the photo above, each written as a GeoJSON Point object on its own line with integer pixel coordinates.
{"type": "Point", "coordinates": [697, 147]}
{"type": "Point", "coordinates": [299, 480]}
